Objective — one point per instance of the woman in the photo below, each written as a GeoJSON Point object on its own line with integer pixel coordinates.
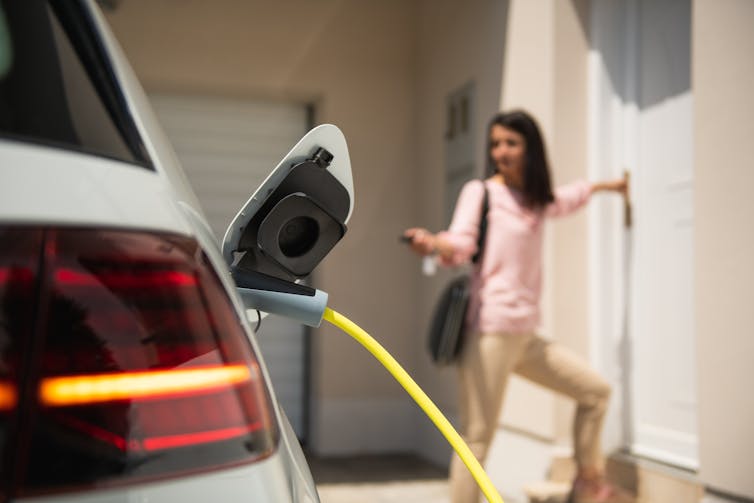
{"type": "Point", "coordinates": [503, 313]}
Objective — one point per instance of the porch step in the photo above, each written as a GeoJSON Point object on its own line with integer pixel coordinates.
{"type": "Point", "coordinates": [653, 481]}
{"type": "Point", "coordinates": [650, 481]}
{"type": "Point", "coordinates": [547, 492]}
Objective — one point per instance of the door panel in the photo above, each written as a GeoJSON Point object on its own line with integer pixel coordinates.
{"type": "Point", "coordinates": [642, 113]}
{"type": "Point", "coordinates": [664, 399]}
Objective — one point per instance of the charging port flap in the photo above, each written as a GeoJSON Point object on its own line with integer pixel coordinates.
{"type": "Point", "coordinates": [298, 214]}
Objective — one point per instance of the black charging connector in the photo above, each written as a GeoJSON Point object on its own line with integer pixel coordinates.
{"type": "Point", "coordinates": [300, 221]}
{"type": "Point", "coordinates": [258, 281]}
{"type": "Point", "coordinates": [322, 158]}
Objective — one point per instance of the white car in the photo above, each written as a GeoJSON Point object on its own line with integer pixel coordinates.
{"type": "Point", "coordinates": [128, 369]}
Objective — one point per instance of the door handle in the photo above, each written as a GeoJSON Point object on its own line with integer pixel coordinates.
{"type": "Point", "coordinates": [627, 210]}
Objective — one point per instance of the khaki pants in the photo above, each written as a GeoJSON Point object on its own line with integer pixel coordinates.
{"type": "Point", "coordinates": [485, 365]}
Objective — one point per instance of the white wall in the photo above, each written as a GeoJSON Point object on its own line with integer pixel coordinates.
{"type": "Point", "coordinates": [545, 72]}
{"type": "Point", "coordinates": [528, 83]}
{"type": "Point", "coordinates": [722, 76]}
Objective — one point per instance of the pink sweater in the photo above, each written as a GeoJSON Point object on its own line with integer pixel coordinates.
{"type": "Point", "coordinates": [506, 283]}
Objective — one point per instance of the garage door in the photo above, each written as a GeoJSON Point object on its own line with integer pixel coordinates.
{"type": "Point", "coordinates": [227, 148]}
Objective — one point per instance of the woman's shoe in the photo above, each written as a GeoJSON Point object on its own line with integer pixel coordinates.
{"type": "Point", "coordinates": [598, 491]}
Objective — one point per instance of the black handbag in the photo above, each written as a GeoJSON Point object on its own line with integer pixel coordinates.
{"type": "Point", "coordinates": [446, 331]}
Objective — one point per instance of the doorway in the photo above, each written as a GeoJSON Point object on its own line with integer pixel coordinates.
{"type": "Point", "coordinates": [642, 280]}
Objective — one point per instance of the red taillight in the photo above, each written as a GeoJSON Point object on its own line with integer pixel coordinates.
{"type": "Point", "coordinates": [139, 366]}
{"type": "Point", "coordinates": [8, 396]}
{"type": "Point", "coordinates": [124, 279]}
{"type": "Point", "coordinates": [19, 262]}
{"type": "Point", "coordinates": [92, 388]}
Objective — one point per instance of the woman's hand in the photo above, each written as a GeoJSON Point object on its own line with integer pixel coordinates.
{"type": "Point", "coordinates": [619, 185]}
{"type": "Point", "coordinates": [422, 241]}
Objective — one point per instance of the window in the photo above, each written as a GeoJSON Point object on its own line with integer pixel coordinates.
{"type": "Point", "coordinates": [56, 84]}
{"type": "Point", "coordinates": [459, 144]}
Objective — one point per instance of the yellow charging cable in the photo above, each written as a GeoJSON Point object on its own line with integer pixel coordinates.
{"type": "Point", "coordinates": [420, 398]}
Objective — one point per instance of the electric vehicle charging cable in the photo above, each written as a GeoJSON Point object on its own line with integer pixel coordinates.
{"type": "Point", "coordinates": [309, 306]}
{"type": "Point", "coordinates": [421, 398]}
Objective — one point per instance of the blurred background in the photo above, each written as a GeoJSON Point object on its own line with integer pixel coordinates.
{"type": "Point", "coordinates": [660, 89]}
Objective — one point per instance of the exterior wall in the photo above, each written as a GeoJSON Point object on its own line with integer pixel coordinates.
{"type": "Point", "coordinates": [355, 61]}
{"type": "Point", "coordinates": [529, 83]}
{"type": "Point", "coordinates": [545, 72]}
{"type": "Point", "coordinates": [458, 42]}
{"type": "Point", "coordinates": [722, 73]}
{"type": "Point", "coordinates": [568, 255]}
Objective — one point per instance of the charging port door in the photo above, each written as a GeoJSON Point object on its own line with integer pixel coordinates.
{"type": "Point", "coordinates": [298, 214]}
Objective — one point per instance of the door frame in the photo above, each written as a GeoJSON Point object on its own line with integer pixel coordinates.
{"type": "Point", "coordinates": [614, 143]}
{"type": "Point", "coordinates": [613, 129]}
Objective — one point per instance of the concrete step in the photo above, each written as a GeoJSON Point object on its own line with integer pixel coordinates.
{"type": "Point", "coordinates": [654, 482]}
{"type": "Point", "coordinates": [650, 481]}
{"type": "Point", "coordinates": [547, 492]}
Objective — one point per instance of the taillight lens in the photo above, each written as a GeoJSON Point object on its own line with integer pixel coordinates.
{"type": "Point", "coordinates": [19, 261]}
{"type": "Point", "coordinates": [141, 367]}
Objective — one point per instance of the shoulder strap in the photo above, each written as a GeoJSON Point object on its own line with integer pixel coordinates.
{"type": "Point", "coordinates": [482, 226]}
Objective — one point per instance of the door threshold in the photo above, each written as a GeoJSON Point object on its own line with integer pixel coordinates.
{"type": "Point", "coordinates": [653, 480]}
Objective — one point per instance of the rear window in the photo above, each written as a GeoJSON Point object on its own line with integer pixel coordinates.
{"type": "Point", "coordinates": [56, 84]}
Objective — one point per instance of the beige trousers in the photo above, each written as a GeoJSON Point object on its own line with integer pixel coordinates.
{"type": "Point", "coordinates": [484, 367]}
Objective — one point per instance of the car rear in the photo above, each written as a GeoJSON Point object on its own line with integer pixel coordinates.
{"type": "Point", "coordinates": [127, 369]}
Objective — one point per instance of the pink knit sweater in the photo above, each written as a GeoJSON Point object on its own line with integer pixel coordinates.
{"type": "Point", "coordinates": [506, 283]}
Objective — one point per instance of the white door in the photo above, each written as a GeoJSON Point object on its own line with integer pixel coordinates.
{"type": "Point", "coordinates": [665, 405]}
{"type": "Point", "coordinates": [227, 148]}
{"type": "Point", "coordinates": [651, 80]}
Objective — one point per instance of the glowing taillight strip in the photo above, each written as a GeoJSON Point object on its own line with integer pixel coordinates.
{"type": "Point", "coordinates": [86, 389]}
{"type": "Point", "coordinates": [130, 279]}
{"type": "Point", "coordinates": [15, 273]}
{"type": "Point", "coordinates": [158, 443]}
{"type": "Point", "coordinates": [8, 396]}
{"type": "Point", "coordinates": [173, 441]}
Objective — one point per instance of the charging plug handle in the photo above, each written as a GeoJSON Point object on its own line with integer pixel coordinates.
{"type": "Point", "coordinates": [276, 296]}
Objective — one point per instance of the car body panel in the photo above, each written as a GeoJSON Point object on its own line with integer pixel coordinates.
{"type": "Point", "coordinates": [262, 481]}
{"type": "Point", "coordinates": [58, 187]}
{"type": "Point", "coordinates": [47, 186]}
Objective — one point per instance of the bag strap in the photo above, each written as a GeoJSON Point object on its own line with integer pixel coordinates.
{"type": "Point", "coordinates": [482, 226]}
